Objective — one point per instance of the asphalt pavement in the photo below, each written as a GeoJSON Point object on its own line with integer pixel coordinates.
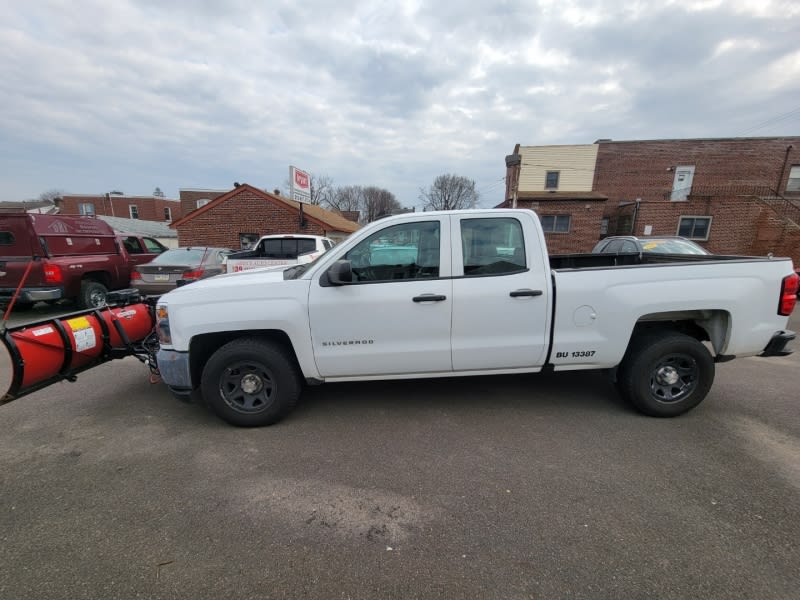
{"type": "Point", "coordinates": [540, 486]}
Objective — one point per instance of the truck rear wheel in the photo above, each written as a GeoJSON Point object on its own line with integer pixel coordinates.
{"type": "Point", "coordinates": [665, 375]}
{"type": "Point", "coordinates": [250, 382]}
{"type": "Point", "coordinates": [93, 294]}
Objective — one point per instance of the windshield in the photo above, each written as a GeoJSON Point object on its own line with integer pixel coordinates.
{"type": "Point", "coordinates": [672, 246]}
{"type": "Point", "coordinates": [178, 256]}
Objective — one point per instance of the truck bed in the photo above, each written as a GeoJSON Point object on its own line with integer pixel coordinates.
{"type": "Point", "coordinates": [561, 262]}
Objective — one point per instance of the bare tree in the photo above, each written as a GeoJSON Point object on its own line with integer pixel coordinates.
{"type": "Point", "coordinates": [378, 203]}
{"type": "Point", "coordinates": [321, 189]}
{"type": "Point", "coordinates": [450, 192]}
{"type": "Point", "coordinates": [346, 198]}
{"type": "Point", "coordinates": [51, 195]}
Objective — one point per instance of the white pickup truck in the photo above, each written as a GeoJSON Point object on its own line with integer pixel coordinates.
{"type": "Point", "coordinates": [470, 293]}
{"type": "Point", "coordinates": [279, 250]}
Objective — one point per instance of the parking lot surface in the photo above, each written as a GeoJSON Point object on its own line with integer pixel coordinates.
{"type": "Point", "coordinates": [540, 486]}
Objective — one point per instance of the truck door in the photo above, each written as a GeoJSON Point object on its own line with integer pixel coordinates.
{"type": "Point", "coordinates": [500, 294]}
{"type": "Point", "coordinates": [395, 316]}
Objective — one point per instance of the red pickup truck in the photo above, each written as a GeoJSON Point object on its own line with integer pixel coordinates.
{"type": "Point", "coordinates": [68, 257]}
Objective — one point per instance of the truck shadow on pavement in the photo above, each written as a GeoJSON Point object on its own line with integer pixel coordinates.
{"type": "Point", "coordinates": [585, 392]}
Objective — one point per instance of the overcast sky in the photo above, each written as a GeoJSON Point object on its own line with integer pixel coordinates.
{"type": "Point", "coordinates": [111, 94]}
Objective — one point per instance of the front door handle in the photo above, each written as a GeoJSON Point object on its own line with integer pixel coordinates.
{"type": "Point", "coordinates": [429, 298]}
{"type": "Point", "coordinates": [522, 293]}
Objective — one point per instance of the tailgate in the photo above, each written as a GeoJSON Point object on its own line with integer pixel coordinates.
{"type": "Point", "coordinates": [234, 265]}
{"type": "Point", "coordinates": [12, 268]}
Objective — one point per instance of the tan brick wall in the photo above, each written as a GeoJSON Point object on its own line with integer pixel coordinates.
{"type": "Point", "coordinates": [243, 213]}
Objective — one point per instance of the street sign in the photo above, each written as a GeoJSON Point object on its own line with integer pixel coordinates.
{"type": "Point", "coordinates": [300, 185]}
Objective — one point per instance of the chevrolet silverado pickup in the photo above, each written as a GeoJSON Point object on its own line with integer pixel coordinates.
{"type": "Point", "coordinates": [470, 293]}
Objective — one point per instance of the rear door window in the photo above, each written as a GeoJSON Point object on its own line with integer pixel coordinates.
{"type": "Point", "coordinates": [492, 246]}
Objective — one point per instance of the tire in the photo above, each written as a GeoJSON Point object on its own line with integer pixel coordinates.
{"type": "Point", "coordinates": [250, 382]}
{"type": "Point", "coordinates": [22, 306]}
{"type": "Point", "coordinates": [93, 294]}
{"type": "Point", "coordinates": [666, 374]}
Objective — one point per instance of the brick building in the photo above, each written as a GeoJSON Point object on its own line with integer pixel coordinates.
{"type": "Point", "coordinates": [556, 183]}
{"type": "Point", "coordinates": [147, 208]}
{"type": "Point", "coordinates": [194, 198]}
{"type": "Point", "coordinates": [732, 195]}
{"type": "Point", "coordinates": [237, 218]}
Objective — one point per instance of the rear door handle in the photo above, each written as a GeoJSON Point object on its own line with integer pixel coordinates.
{"type": "Point", "coordinates": [429, 298]}
{"type": "Point", "coordinates": [522, 293]}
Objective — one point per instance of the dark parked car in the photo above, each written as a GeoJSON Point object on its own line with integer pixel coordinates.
{"type": "Point", "coordinates": [662, 244]}
{"type": "Point", "coordinates": [187, 264]}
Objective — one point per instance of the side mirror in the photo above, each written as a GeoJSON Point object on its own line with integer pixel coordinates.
{"type": "Point", "coordinates": [340, 273]}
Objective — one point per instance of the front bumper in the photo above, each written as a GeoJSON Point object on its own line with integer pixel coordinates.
{"type": "Point", "coordinates": [31, 294]}
{"type": "Point", "coordinates": [777, 345]}
{"type": "Point", "coordinates": [174, 369]}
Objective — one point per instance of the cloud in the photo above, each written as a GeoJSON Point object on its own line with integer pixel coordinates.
{"type": "Point", "coordinates": [131, 95]}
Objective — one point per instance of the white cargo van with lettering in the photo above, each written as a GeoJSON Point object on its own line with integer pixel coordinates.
{"type": "Point", "coordinates": [470, 293]}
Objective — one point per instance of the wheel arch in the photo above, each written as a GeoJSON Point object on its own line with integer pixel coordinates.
{"type": "Point", "coordinates": [204, 345]}
{"type": "Point", "coordinates": [102, 277]}
{"type": "Point", "coordinates": [712, 326]}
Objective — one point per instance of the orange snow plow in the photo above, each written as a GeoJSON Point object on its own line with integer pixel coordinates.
{"type": "Point", "coordinates": [35, 355]}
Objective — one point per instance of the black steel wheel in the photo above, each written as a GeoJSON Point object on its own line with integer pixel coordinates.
{"type": "Point", "coordinates": [666, 375]}
{"type": "Point", "coordinates": [250, 382]}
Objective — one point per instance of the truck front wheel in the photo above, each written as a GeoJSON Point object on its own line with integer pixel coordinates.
{"type": "Point", "coordinates": [250, 382]}
{"type": "Point", "coordinates": [665, 375]}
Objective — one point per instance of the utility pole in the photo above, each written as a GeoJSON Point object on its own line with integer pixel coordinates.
{"type": "Point", "coordinates": [513, 160]}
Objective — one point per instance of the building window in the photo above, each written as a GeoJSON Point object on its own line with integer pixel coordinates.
{"type": "Point", "coordinates": [86, 208]}
{"type": "Point", "coordinates": [167, 213]}
{"type": "Point", "coordinates": [555, 223]}
{"type": "Point", "coordinates": [248, 240]}
{"type": "Point", "coordinates": [694, 228]}
{"type": "Point", "coordinates": [793, 185]}
{"type": "Point", "coordinates": [551, 180]}
{"type": "Point", "coordinates": [202, 202]}
{"type": "Point", "coordinates": [134, 211]}
{"type": "Point", "coordinates": [604, 226]}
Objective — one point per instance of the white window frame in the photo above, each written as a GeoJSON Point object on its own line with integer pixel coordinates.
{"type": "Point", "coordinates": [710, 220]}
{"type": "Point", "coordinates": [133, 211]}
{"type": "Point", "coordinates": [86, 208]}
{"type": "Point", "coordinates": [558, 180]}
{"type": "Point", "coordinates": [793, 183]}
{"type": "Point", "coordinates": [168, 214]}
{"type": "Point", "coordinates": [202, 202]}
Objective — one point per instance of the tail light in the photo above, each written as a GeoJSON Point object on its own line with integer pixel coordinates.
{"type": "Point", "coordinates": [788, 297]}
{"type": "Point", "coordinates": [52, 273]}
{"type": "Point", "coordinates": [135, 275]}
{"type": "Point", "coordinates": [193, 274]}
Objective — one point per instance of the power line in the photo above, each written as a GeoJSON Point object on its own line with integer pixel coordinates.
{"type": "Point", "coordinates": [771, 121]}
